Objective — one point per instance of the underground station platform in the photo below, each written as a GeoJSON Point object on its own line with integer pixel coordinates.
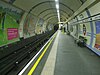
{"type": "Point", "coordinates": [62, 56]}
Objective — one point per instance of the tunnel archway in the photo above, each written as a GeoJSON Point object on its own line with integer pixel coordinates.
{"type": "Point", "coordinates": [52, 13]}
{"type": "Point", "coordinates": [49, 18]}
{"type": "Point", "coordinates": [53, 9]}
{"type": "Point", "coordinates": [50, 2]}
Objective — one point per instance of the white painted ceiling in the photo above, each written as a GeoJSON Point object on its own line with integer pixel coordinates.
{"type": "Point", "coordinates": [46, 8]}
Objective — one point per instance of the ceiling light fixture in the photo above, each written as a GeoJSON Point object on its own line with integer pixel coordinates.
{"type": "Point", "coordinates": [56, 0]}
{"type": "Point", "coordinates": [57, 8]}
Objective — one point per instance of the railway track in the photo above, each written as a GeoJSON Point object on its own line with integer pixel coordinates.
{"type": "Point", "coordinates": [23, 50]}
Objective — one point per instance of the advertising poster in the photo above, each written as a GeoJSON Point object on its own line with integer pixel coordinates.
{"type": "Point", "coordinates": [97, 43]}
{"type": "Point", "coordinates": [12, 33]}
{"type": "Point", "coordinates": [26, 24]}
{"type": "Point", "coordinates": [29, 26]}
{"type": "Point", "coordinates": [10, 17]}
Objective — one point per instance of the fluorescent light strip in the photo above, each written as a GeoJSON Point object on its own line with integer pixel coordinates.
{"type": "Point", "coordinates": [56, 0]}
{"type": "Point", "coordinates": [57, 10]}
{"type": "Point", "coordinates": [58, 15]}
{"type": "Point", "coordinates": [57, 7]}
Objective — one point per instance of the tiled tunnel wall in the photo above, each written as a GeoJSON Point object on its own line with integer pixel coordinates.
{"type": "Point", "coordinates": [26, 25]}
{"type": "Point", "coordinates": [87, 24]}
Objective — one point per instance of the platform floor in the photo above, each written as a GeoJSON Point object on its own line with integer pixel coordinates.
{"type": "Point", "coordinates": [70, 59]}
{"type": "Point", "coordinates": [64, 57]}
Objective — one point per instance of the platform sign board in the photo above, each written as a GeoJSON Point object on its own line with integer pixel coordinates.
{"type": "Point", "coordinates": [97, 43]}
{"type": "Point", "coordinates": [12, 33]}
{"type": "Point", "coordinates": [84, 29]}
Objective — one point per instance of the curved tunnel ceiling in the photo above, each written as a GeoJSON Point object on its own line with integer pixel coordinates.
{"type": "Point", "coordinates": [61, 10]}
{"type": "Point", "coordinates": [53, 13]}
{"type": "Point", "coordinates": [51, 16]}
{"type": "Point", "coordinates": [49, 2]}
{"type": "Point", "coordinates": [51, 19]}
{"type": "Point", "coordinates": [55, 19]}
{"type": "Point", "coordinates": [45, 2]}
{"type": "Point", "coordinates": [40, 7]}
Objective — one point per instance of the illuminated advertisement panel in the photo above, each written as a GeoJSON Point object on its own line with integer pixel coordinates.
{"type": "Point", "coordinates": [12, 33]}
{"type": "Point", "coordinates": [97, 43]}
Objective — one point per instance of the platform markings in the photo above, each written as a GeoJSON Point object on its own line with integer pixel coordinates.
{"type": "Point", "coordinates": [25, 68]}
{"type": "Point", "coordinates": [39, 59]}
{"type": "Point", "coordinates": [49, 66]}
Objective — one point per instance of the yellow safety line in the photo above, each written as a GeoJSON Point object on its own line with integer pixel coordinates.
{"type": "Point", "coordinates": [37, 62]}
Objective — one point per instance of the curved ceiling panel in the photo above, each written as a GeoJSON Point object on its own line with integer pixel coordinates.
{"type": "Point", "coordinates": [50, 13]}
{"type": "Point", "coordinates": [46, 11]}
{"type": "Point", "coordinates": [73, 4]}
{"type": "Point", "coordinates": [53, 19]}
{"type": "Point", "coordinates": [52, 16]}
{"type": "Point", "coordinates": [27, 4]}
{"type": "Point", "coordinates": [53, 2]}
{"type": "Point", "coordinates": [42, 7]}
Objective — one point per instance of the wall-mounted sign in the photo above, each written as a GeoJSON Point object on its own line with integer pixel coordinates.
{"type": "Point", "coordinates": [12, 33]}
{"type": "Point", "coordinates": [84, 29]}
